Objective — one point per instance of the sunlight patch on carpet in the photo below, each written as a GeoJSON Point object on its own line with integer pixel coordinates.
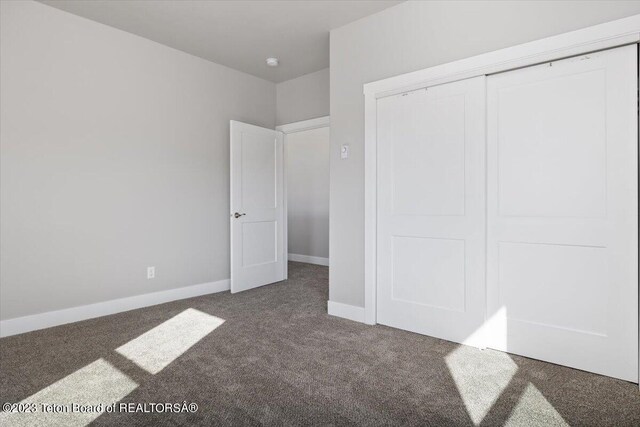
{"type": "Point", "coordinates": [533, 409]}
{"type": "Point", "coordinates": [157, 348]}
{"type": "Point", "coordinates": [480, 377]}
{"type": "Point", "coordinates": [97, 385]}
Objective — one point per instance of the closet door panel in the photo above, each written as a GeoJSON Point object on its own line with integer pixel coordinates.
{"type": "Point", "coordinates": [431, 210]}
{"type": "Point", "coordinates": [562, 272]}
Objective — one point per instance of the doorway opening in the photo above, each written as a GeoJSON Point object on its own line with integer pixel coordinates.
{"type": "Point", "coordinates": [306, 154]}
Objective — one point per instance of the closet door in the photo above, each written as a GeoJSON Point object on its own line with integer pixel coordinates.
{"type": "Point", "coordinates": [562, 272]}
{"type": "Point", "coordinates": [431, 210]}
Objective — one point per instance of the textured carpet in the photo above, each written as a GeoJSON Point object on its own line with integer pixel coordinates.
{"type": "Point", "coordinates": [279, 359]}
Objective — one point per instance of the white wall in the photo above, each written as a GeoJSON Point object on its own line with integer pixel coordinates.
{"type": "Point", "coordinates": [115, 157]}
{"type": "Point", "coordinates": [303, 98]}
{"type": "Point", "coordinates": [409, 37]}
{"type": "Point", "coordinates": [308, 192]}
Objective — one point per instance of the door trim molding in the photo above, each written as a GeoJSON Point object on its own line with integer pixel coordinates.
{"type": "Point", "coordinates": [597, 37]}
{"type": "Point", "coordinates": [603, 36]}
{"type": "Point", "coordinates": [319, 122]}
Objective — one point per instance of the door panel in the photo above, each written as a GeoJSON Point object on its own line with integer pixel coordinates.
{"type": "Point", "coordinates": [431, 210]}
{"type": "Point", "coordinates": [259, 243]}
{"type": "Point", "coordinates": [257, 191]}
{"type": "Point", "coordinates": [428, 178]}
{"type": "Point", "coordinates": [437, 264]}
{"type": "Point", "coordinates": [550, 163]}
{"type": "Point", "coordinates": [562, 281]}
{"type": "Point", "coordinates": [259, 152]}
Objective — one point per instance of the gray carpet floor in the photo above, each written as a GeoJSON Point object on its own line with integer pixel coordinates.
{"type": "Point", "coordinates": [279, 359]}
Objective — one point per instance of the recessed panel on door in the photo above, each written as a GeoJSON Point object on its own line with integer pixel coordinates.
{"type": "Point", "coordinates": [259, 163]}
{"type": "Point", "coordinates": [436, 266]}
{"type": "Point", "coordinates": [562, 272]}
{"type": "Point", "coordinates": [552, 145]}
{"type": "Point", "coordinates": [429, 158]}
{"type": "Point", "coordinates": [259, 243]}
{"type": "Point", "coordinates": [431, 210]}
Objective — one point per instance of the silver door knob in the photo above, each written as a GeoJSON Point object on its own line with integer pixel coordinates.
{"type": "Point", "coordinates": [238, 215]}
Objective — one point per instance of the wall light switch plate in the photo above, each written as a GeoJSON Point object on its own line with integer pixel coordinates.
{"type": "Point", "coordinates": [151, 272]}
{"type": "Point", "coordinates": [344, 151]}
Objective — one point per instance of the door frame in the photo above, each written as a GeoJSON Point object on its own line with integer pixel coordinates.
{"type": "Point", "coordinates": [286, 129]}
{"type": "Point", "coordinates": [599, 37]}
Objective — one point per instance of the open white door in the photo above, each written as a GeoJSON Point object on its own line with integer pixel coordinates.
{"type": "Point", "coordinates": [257, 207]}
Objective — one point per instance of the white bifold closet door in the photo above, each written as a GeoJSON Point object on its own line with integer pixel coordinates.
{"type": "Point", "coordinates": [523, 238]}
{"type": "Point", "coordinates": [562, 272]}
{"type": "Point", "coordinates": [431, 210]}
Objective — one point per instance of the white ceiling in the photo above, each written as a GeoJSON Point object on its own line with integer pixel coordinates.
{"type": "Point", "coordinates": [238, 34]}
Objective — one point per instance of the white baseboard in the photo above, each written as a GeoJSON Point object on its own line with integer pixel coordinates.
{"type": "Point", "coordinates": [20, 325]}
{"type": "Point", "coordinates": [346, 311]}
{"type": "Point", "coordinates": [309, 259]}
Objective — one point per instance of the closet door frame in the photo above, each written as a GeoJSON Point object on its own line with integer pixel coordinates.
{"type": "Point", "coordinates": [612, 34]}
